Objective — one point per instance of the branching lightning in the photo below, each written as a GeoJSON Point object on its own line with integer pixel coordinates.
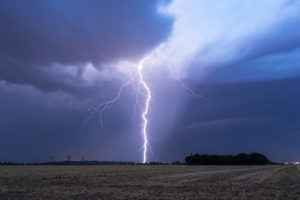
{"type": "Point", "coordinates": [189, 89]}
{"type": "Point", "coordinates": [105, 105]}
{"type": "Point", "coordinates": [141, 84]}
{"type": "Point", "coordinates": [141, 87]}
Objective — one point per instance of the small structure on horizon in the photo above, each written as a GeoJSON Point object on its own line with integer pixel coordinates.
{"type": "Point", "coordinates": [68, 158]}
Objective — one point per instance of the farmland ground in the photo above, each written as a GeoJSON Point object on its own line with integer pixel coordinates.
{"type": "Point", "coordinates": [150, 182]}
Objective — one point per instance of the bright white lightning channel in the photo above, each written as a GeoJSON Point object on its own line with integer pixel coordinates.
{"type": "Point", "coordinates": [144, 114]}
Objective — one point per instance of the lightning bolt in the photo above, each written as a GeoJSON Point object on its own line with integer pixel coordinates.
{"type": "Point", "coordinates": [144, 114]}
{"type": "Point", "coordinates": [189, 89]}
{"type": "Point", "coordinates": [105, 105]}
{"type": "Point", "coordinates": [141, 85]}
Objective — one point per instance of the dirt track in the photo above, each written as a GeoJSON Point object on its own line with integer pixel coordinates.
{"type": "Point", "coordinates": [150, 182]}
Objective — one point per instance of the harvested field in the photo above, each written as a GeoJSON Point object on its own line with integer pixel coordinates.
{"type": "Point", "coordinates": [150, 182]}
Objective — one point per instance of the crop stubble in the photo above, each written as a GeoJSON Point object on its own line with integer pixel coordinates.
{"type": "Point", "coordinates": [150, 182]}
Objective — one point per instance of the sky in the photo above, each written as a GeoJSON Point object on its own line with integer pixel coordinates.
{"type": "Point", "coordinates": [224, 78]}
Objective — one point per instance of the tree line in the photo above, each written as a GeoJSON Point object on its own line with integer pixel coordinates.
{"type": "Point", "coordinates": [240, 159]}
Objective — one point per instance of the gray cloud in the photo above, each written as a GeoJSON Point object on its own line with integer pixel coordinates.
{"type": "Point", "coordinates": [36, 34]}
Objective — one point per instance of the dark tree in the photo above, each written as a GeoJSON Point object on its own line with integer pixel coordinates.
{"type": "Point", "coordinates": [257, 158]}
{"type": "Point", "coordinates": [240, 159]}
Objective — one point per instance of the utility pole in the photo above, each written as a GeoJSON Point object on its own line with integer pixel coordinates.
{"type": "Point", "coordinates": [82, 158]}
{"type": "Point", "coordinates": [69, 158]}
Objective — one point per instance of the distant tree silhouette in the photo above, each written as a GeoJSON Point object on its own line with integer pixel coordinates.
{"type": "Point", "coordinates": [157, 163]}
{"type": "Point", "coordinates": [240, 159]}
{"type": "Point", "coordinates": [257, 158]}
{"type": "Point", "coordinates": [177, 163]}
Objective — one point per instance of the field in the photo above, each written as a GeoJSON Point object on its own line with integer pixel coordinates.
{"type": "Point", "coordinates": [150, 182]}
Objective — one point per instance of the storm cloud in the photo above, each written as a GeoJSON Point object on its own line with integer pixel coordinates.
{"type": "Point", "coordinates": [39, 40]}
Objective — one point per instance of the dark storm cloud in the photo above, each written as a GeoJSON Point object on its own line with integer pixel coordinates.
{"type": "Point", "coordinates": [35, 34]}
